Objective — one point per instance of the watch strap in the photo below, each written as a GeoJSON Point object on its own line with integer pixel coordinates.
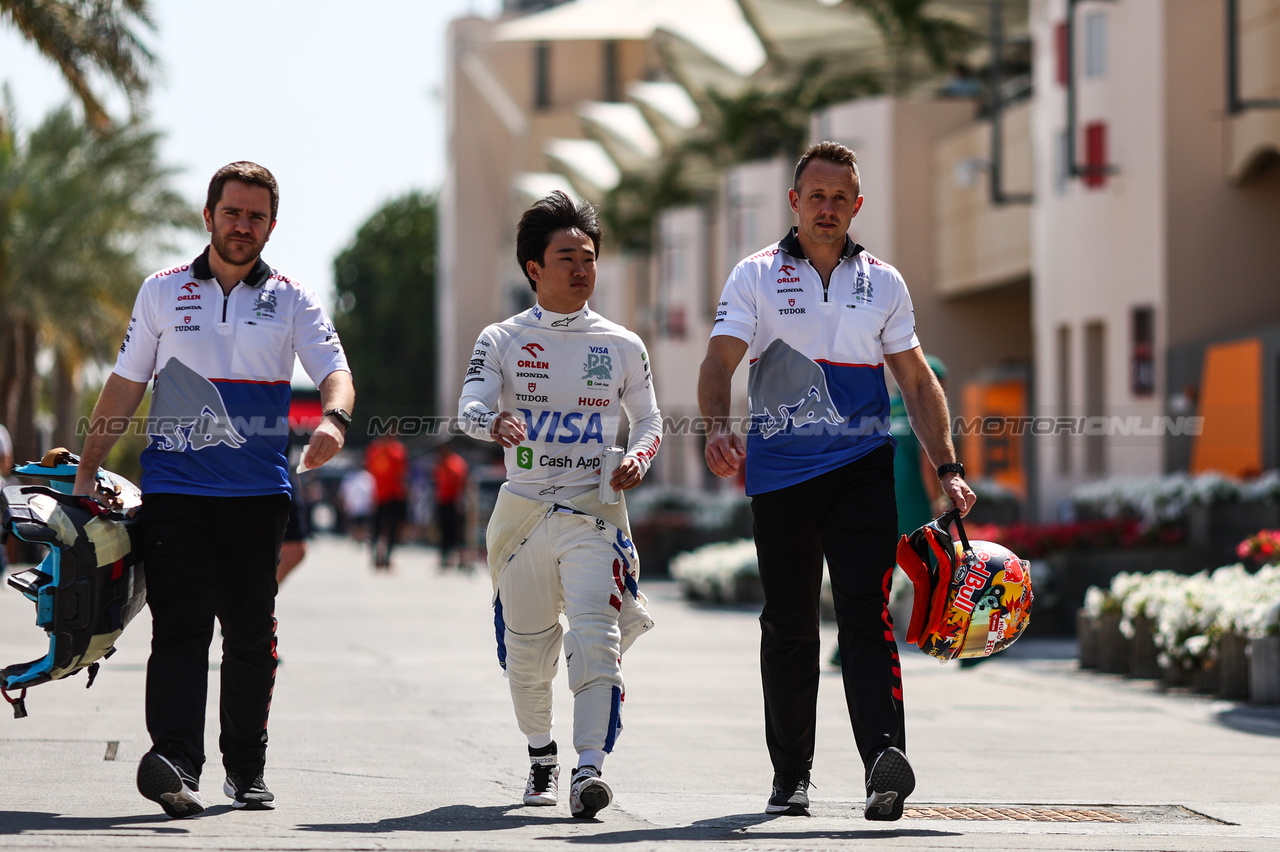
{"type": "Point", "coordinates": [950, 467]}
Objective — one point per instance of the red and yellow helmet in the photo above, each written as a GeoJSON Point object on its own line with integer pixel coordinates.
{"type": "Point", "coordinates": [971, 598]}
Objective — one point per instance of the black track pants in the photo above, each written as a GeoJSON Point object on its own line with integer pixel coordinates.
{"type": "Point", "coordinates": [849, 515]}
{"type": "Point", "coordinates": [207, 558]}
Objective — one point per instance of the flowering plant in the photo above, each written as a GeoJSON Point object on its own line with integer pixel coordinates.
{"type": "Point", "coordinates": [1261, 548]}
{"type": "Point", "coordinates": [1167, 498]}
{"type": "Point", "coordinates": [1033, 541]}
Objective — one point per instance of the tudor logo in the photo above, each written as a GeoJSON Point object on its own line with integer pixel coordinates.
{"type": "Point", "coordinates": [791, 302]}
{"type": "Point", "coordinates": [533, 386]}
{"type": "Point", "coordinates": [786, 269]}
{"type": "Point", "coordinates": [533, 349]}
{"type": "Point", "coordinates": [187, 318]}
{"type": "Point", "coordinates": [190, 286]}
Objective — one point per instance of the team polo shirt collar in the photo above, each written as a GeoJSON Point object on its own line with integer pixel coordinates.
{"type": "Point", "coordinates": [201, 271]}
{"type": "Point", "coordinates": [544, 318]}
{"type": "Point", "coordinates": [791, 245]}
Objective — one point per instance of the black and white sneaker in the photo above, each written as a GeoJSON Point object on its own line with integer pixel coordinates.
{"type": "Point", "coordinates": [890, 782]}
{"type": "Point", "coordinates": [170, 785]}
{"type": "Point", "coordinates": [544, 777]}
{"type": "Point", "coordinates": [248, 791]}
{"type": "Point", "coordinates": [790, 795]}
{"type": "Point", "coordinates": [588, 793]}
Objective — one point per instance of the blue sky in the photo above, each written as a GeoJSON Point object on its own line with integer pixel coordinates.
{"type": "Point", "coordinates": [342, 101]}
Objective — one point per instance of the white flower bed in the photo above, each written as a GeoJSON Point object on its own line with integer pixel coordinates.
{"type": "Point", "coordinates": [1189, 613]}
{"type": "Point", "coordinates": [1167, 498]}
{"type": "Point", "coordinates": [712, 571]}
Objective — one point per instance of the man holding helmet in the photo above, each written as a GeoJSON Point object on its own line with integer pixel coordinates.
{"type": "Point", "coordinates": [821, 318]}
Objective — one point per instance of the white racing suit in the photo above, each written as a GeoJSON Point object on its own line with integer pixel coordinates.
{"type": "Point", "coordinates": [553, 547]}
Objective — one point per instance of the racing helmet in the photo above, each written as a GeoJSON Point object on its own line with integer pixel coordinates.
{"type": "Point", "coordinates": [971, 598]}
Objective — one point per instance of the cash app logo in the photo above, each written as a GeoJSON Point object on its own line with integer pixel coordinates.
{"type": "Point", "coordinates": [524, 457]}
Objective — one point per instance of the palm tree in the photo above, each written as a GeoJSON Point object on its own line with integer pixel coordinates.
{"type": "Point", "coordinates": [82, 37]}
{"type": "Point", "coordinates": [84, 207]}
{"type": "Point", "coordinates": [913, 30]}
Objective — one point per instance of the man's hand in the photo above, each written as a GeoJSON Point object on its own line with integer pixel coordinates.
{"type": "Point", "coordinates": [959, 493]}
{"type": "Point", "coordinates": [627, 476]}
{"type": "Point", "coordinates": [725, 452]}
{"type": "Point", "coordinates": [325, 443]}
{"type": "Point", "coordinates": [507, 429]}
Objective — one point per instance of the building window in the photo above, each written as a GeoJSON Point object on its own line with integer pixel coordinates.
{"type": "Point", "coordinates": [542, 76]}
{"type": "Point", "coordinates": [1142, 372]}
{"type": "Point", "coordinates": [1095, 398]}
{"type": "Point", "coordinates": [1064, 396]}
{"type": "Point", "coordinates": [1095, 45]}
{"type": "Point", "coordinates": [1095, 154]}
{"type": "Point", "coordinates": [1060, 51]}
{"type": "Point", "coordinates": [609, 75]}
{"type": "Point", "coordinates": [1062, 163]}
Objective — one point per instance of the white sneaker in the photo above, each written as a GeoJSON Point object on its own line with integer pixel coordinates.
{"type": "Point", "coordinates": [588, 793]}
{"type": "Point", "coordinates": [544, 780]}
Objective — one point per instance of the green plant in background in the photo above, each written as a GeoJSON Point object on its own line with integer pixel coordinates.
{"type": "Point", "coordinates": [82, 211]}
{"type": "Point", "coordinates": [88, 37]}
{"type": "Point", "coordinates": [386, 309]}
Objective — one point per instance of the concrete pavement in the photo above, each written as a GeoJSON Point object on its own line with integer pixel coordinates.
{"type": "Point", "coordinates": [391, 729]}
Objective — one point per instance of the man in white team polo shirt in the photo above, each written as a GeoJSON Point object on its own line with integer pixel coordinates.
{"type": "Point", "coordinates": [820, 318]}
{"type": "Point", "coordinates": [218, 336]}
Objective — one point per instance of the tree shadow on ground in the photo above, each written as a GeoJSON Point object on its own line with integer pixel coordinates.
{"type": "Point", "coordinates": [1252, 719]}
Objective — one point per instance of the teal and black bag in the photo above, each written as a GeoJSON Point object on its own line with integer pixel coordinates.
{"type": "Point", "coordinates": [89, 586]}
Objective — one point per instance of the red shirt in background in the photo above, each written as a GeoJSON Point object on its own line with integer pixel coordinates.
{"type": "Point", "coordinates": [450, 478]}
{"type": "Point", "coordinates": [388, 461]}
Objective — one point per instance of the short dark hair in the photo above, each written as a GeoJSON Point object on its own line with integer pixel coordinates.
{"type": "Point", "coordinates": [245, 172]}
{"type": "Point", "coordinates": [829, 152]}
{"type": "Point", "coordinates": [556, 212]}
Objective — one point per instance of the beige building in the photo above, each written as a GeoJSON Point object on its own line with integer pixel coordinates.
{"type": "Point", "coordinates": [1154, 228]}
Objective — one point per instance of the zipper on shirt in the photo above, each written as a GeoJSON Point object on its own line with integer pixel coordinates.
{"type": "Point", "coordinates": [226, 299]}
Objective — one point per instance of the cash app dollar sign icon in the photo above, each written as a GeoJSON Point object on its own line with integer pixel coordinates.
{"type": "Point", "coordinates": [524, 457]}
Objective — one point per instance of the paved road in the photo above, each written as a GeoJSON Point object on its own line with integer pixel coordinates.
{"type": "Point", "coordinates": [391, 729]}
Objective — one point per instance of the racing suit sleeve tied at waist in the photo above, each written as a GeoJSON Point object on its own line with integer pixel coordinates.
{"type": "Point", "coordinates": [515, 518]}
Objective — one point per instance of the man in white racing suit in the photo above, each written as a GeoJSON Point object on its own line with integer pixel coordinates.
{"type": "Point", "coordinates": [547, 384]}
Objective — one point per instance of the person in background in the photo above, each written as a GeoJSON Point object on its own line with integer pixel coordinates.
{"type": "Point", "coordinates": [296, 533]}
{"type": "Point", "coordinates": [450, 480]}
{"type": "Point", "coordinates": [388, 462]}
{"type": "Point", "coordinates": [356, 496]}
{"type": "Point", "coordinates": [915, 485]}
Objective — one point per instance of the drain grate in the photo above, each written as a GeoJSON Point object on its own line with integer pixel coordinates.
{"type": "Point", "coordinates": [1023, 813]}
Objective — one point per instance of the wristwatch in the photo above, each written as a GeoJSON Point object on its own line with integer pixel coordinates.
{"type": "Point", "coordinates": [344, 418]}
{"type": "Point", "coordinates": [952, 467]}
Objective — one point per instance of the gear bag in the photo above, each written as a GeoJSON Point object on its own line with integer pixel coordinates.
{"type": "Point", "coordinates": [89, 586]}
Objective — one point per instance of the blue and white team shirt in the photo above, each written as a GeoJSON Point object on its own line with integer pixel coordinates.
{"type": "Point", "coordinates": [222, 364]}
{"type": "Point", "coordinates": [816, 386]}
{"type": "Point", "coordinates": [567, 376]}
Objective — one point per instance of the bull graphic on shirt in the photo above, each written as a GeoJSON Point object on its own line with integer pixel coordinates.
{"type": "Point", "coordinates": [188, 412]}
{"type": "Point", "coordinates": [787, 389]}
{"type": "Point", "coordinates": [265, 304]}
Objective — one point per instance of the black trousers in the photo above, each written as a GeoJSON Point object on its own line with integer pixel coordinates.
{"type": "Point", "coordinates": [850, 515]}
{"type": "Point", "coordinates": [387, 518]}
{"type": "Point", "coordinates": [207, 558]}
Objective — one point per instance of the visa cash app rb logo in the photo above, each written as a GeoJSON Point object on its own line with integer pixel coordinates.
{"type": "Point", "coordinates": [524, 457]}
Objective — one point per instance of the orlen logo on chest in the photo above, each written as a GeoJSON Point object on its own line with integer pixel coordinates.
{"type": "Point", "coordinates": [788, 276]}
{"type": "Point", "coordinates": [191, 294]}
